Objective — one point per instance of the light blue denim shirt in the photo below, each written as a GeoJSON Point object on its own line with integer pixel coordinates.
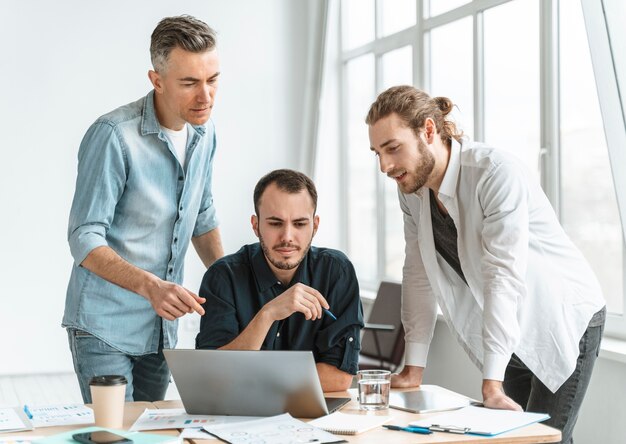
{"type": "Point", "coordinates": [133, 195]}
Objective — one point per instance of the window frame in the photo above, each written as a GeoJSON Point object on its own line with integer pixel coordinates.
{"type": "Point", "coordinates": [614, 121]}
{"type": "Point", "coordinates": [417, 36]}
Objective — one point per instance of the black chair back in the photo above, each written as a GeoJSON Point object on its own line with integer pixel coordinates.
{"type": "Point", "coordinates": [386, 310]}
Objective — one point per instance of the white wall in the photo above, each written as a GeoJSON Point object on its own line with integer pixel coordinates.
{"type": "Point", "coordinates": [602, 416]}
{"type": "Point", "coordinates": [62, 65]}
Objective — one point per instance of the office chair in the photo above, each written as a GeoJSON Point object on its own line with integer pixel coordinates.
{"type": "Point", "coordinates": [382, 345]}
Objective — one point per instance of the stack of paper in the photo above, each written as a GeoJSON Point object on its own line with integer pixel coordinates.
{"type": "Point", "coordinates": [59, 415]}
{"type": "Point", "coordinates": [343, 424]}
{"type": "Point", "coordinates": [14, 420]}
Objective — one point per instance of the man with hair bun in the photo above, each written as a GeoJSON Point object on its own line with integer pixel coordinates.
{"type": "Point", "coordinates": [484, 244]}
{"type": "Point", "coordinates": [143, 191]}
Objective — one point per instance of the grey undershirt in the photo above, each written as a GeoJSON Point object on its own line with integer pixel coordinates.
{"type": "Point", "coordinates": [444, 233]}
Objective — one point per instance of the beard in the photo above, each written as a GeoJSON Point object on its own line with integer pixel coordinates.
{"type": "Point", "coordinates": [283, 265]}
{"type": "Point", "coordinates": [417, 178]}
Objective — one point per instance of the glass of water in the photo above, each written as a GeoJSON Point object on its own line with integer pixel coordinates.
{"type": "Point", "coordinates": [374, 389]}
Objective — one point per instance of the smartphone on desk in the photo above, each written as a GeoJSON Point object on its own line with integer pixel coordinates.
{"type": "Point", "coordinates": [100, 437]}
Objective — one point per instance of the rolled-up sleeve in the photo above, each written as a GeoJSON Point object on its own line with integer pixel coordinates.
{"type": "Point", "coordinates": [99, 185]}
{"type": "Point", "coordinates": [207, 215]}
{"type": "Point", "coordinates": [219, 324]}
{"type": "Point", "coordinates": [339, 343]}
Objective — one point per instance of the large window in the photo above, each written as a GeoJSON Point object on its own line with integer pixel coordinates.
{"type": "Point", "coordinates": [520, 73]}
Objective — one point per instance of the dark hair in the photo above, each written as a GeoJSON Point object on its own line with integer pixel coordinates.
{"type": "Point", "coordinates": [414, 106]}
{"type": "Point", "coordinates": [286, 180]}
{"type": "Point", "coordinates": [185, 32]}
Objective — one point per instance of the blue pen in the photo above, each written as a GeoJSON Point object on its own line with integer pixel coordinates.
{"type": "Point", "coordinates": [28, 413]}
{"type": "Point", "coordinates": [329, 313]}
{"type": "Point", "coordinates": [412, 429]}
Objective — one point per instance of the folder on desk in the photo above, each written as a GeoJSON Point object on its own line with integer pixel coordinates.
{"type": "Point", "coordinates": [479, 421]}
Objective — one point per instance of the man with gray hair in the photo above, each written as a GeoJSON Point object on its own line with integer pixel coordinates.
{"type": "Point", "coordinates": [143, 190]}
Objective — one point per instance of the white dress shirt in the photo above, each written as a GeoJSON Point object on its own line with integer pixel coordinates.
{"type": "Point", "coordinates": [529, 290]}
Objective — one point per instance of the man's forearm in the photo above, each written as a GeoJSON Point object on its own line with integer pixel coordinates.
{"type": "Point", "coordinates": [109, 265]}
{"type": "Point", "coordinates": [209, 246]}
{"type": "Point", "coordinates": [333, 379]}
{"type": "Point", "coordinates": [168, 300]}
{"type": "Point", "coordinates": [252, 337]}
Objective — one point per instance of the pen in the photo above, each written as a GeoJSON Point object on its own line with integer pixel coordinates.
{"type": "Point", "coordinates": [329, 313]}
{"type": "Point", "coordinates": [28, 413]}
{"type": "Point", "coordinates": [412, 429]}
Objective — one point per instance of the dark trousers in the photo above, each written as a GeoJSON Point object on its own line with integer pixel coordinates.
{"type": "Point", "coordinates": [563, 406]}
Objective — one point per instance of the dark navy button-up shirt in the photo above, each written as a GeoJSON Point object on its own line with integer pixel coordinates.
{"type": "Point", "coordinates": [238, 285]}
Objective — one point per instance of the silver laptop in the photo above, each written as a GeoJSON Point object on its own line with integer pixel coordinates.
{"type": "Point", "coordinates": [249, 383]}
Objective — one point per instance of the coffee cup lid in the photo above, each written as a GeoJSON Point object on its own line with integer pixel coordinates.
{"type": "Point", "coordinates": [108, 380]}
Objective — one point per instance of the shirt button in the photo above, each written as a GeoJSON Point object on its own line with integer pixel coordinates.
{"type": "Point", "coordinates": [175, 239]}
{"type": "Point", "coordinates": [350, 339]}
{"type": "Point", "coordinates": [180, 177]}
{"type": "Point", "coordinates": [278, 335]}
{"type": "Point", "coordinates": [181, 208]}
{"type": "Point", "coordinates": [171, 269]}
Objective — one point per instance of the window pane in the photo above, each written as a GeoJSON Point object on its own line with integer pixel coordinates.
{"type": "Point", "coordinates": [451, 74]}
{"type": "Point", "coordinates": [397, 67]}
{"type": "Point", "coordinates": [440, 6]}
{"type": "Point", "coordinates": [357, 23]}
{"type": "Point", "coordinates": [512, 107]}
{"type": "Point", "coordinates": [589, 213]}
{"type": "Point", "coordinates": [361, 169]}
{"type": "Point", "coordinates": [396, 15]}
{"type": "Point", "coordinates": [394, 232]}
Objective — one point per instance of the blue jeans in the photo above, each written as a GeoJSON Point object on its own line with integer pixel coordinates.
{"type": "Point", "coordinates": [148, 375]}
{"type": "Point", "coordinates": [563, 405]}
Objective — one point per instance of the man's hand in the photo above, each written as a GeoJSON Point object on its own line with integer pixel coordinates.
{"type": "Point", "coordinates": [299, 298]}
{"type": "Point", "coordinates": [410, 376]}
{"type": "Point", "coordinates": [171, 301]}
{"type": "Point", "coordinates": [495, 398]}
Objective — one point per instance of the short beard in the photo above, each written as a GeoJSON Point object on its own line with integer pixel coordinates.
{"type": "Point", "coordinates": [283, 265]}
{"type": "Point", "coordinates": [423, 170]}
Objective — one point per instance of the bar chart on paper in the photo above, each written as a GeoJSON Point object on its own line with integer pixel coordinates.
{"type": "Point", "coordinates": [179, 419]}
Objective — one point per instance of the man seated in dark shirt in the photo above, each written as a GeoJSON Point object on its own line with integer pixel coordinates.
{"type": "Point", "coordinates": [272, 295]}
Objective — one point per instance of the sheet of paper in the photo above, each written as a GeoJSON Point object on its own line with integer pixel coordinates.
{"type": "Point", "coordinates": [196, 433]}
{"type": "Point", "coordinates": [60, 415]}
{"type": "Point", "coordinates": [281, 429]}
{"type": "Point", "coordinates": [11, 420]}
{"type": "Point", "coordinates": [157, 419]}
